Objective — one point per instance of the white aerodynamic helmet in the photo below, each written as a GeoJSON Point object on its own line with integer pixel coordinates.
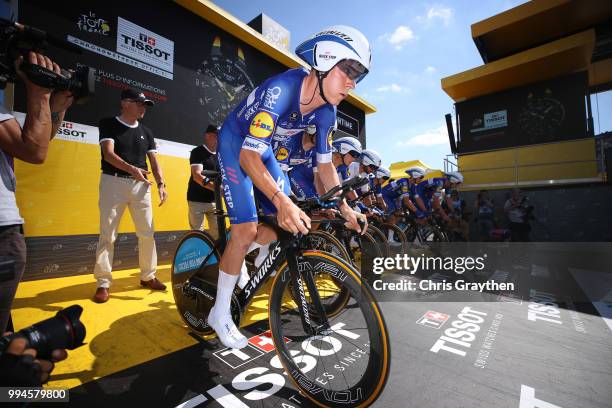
{"type": "Point", "coordinates": [383, 172]}
{"type": "Point", "coordinates": [344, 145]}
{"type": "Point", "coordinates": [334, 44]}
{"type": "Point", "coordinates": [370, 158]}
{"type": "Point", "coordinates": [454, 177]}
{"type": "Point", "coordinates": [416, 171]}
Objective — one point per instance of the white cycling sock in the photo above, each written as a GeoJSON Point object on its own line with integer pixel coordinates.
{"type": "Point", "coordinates": [244, 276]}
{"type": "Point", "coordinates": [390, 235]}
{"type": "Point", "coordinates": [225, 288]}
{"type": "Point", "coordinates": [263, 253]}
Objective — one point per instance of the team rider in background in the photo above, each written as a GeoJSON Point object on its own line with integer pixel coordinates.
{"type": "Point", "coordinates": [284, 105]}
{"type": "Point", "coordinates": [368, 164]}
{"type": "Point", "coordinates": [345, 151]}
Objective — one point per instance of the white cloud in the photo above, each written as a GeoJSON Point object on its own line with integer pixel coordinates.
{"type": "Point", "coordinates": [430, 70]}
{"type": "Point", "coordinates": [433, 137]}
{"type": "Point", "coordinates": [444, 13]}
{"type": "Point", "coordinates": [399, 37]}
{"type": "Point", "coordinates": [392, 88]}
{"type": "Point", "coordinates": [437, 12]}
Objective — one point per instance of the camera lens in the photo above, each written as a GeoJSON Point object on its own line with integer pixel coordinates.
{"type": "Point", "coordinates": [63, 331]}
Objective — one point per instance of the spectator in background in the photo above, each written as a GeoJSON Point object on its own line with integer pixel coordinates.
{"type": "Point", "coordinates": [45, 111]}
{"type": "Point", "coordinates": [201, 191]}
{"type": "Point", "coordinates": [518, 213]}
{"type": "Point", "coordinates": [126, 143]}
{"type": "Point", "coordinates": [458, 223]}
{"type": "Point", "coordinates": [485, 210]}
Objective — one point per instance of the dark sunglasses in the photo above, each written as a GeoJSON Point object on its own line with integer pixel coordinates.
{"type": "Point", "coordinates": [353, 69]}
{"type": "Point", "coordinates": [354, 154]}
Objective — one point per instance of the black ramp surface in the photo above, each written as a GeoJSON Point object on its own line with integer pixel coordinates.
{"type": "Point", "coordinates": [543, 345]}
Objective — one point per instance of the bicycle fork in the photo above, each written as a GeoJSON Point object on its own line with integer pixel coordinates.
{"type": "Point", "coordinates": [298, 278]}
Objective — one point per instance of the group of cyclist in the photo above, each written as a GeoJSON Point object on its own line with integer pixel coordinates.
{"type": "Point", "coordinates": [276, 147]}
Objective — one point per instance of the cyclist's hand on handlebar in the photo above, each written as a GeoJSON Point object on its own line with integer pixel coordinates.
{"type": "Point", "coordinates": [290, 217]}
{"type": "Point", "coordinates": [351, 218]}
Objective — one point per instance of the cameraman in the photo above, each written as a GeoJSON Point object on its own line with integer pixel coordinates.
{"type": "Point", "coordinates": [45, 111]}
{"type": "Point", "coordinates": [517, 211]}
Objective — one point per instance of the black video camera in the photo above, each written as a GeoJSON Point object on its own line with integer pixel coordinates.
{"type": "Point", "coordinates": [17, 39]}
{"type": "Point", "coordinates": [64, 331]}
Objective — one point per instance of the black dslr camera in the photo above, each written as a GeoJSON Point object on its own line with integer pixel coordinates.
{"type": "Point", "coordinates": [64, 331]}
{"type": "Point", "coordinates": [17, 39]}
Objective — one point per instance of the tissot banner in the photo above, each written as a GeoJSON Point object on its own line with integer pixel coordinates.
{"type": "Point", "coordinates": [195, 72]}
{"type": "Point", "coordinates": [543, 112]}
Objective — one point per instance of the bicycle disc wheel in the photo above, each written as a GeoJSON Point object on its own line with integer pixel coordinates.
{"type": "Point", "coordinates": [347, 365]}
{"type": "Point", "coordinates": [192, 281]}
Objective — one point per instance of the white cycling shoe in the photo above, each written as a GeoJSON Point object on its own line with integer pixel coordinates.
{"type": "Point", "coordinates": [226, 329]}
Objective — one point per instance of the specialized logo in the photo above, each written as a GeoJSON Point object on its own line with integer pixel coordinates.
{"type": "Point", "coordinates": [282, 154]}
{"type": "Point", "coordinates": [262, 125]}
{"type": "Point", "coordinates": [335, 33]}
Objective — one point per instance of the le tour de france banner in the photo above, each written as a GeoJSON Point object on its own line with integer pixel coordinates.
{"type": "Point", "coordinates": [194, 71]}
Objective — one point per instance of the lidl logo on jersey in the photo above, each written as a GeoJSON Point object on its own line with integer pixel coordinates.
{"type": "Point", "coordinates": [282, 154]}
{"type": "Point", "coordinates": [262, 125]}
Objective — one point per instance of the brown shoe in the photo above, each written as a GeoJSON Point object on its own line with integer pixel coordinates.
{"type": "Point", "coordinates": [153, 284]}
{"type": "Point", "coordinates": [101, 295]}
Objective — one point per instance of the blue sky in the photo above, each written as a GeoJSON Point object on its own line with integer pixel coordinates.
{"type": "Point", "coordinates": [414, 45]}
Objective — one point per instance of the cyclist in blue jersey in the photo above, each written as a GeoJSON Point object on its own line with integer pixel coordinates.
{"type": "Point", "coordinates": [283, 105]}
{"type": "Point", "coordinates": [427, 195]}
{"type": "Point", "coordinates": [368, 163]}
{"type": "Point", "coordinates": [345, 150]}
{"type": "Point", "coordinates": [382, 176]}
{"type": "Point", "coordinates": [298, 158]}
{"type": "Point", "coordinates": [398, 195]}
{"type": "Point", "coordinates": [453, 179]}
{"type": "Point", "coordinates": [419, 196]}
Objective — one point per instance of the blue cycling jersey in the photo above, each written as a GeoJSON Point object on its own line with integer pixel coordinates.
{"type": "Point", "coordinates": [427, 188]}
{"type": "Point", "coordinates": [393, 192]}
{"type": "Point", "coordinates": [343, 172]}
{"type": "Point", "coordinates": [271, 111]}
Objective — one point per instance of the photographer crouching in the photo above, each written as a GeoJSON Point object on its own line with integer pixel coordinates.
{"type": "Point", "coordinates": [45, 109]}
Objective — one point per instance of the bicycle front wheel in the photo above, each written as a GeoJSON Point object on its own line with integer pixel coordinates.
{"type": "Point", "coordinates": [346, 365]}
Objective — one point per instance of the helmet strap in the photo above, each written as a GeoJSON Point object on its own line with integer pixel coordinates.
{"type": "Point", "coordinates": [320, 77]}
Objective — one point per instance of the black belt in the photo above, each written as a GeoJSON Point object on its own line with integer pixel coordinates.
{"type": "Point", "coordinates": [110, 173]}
